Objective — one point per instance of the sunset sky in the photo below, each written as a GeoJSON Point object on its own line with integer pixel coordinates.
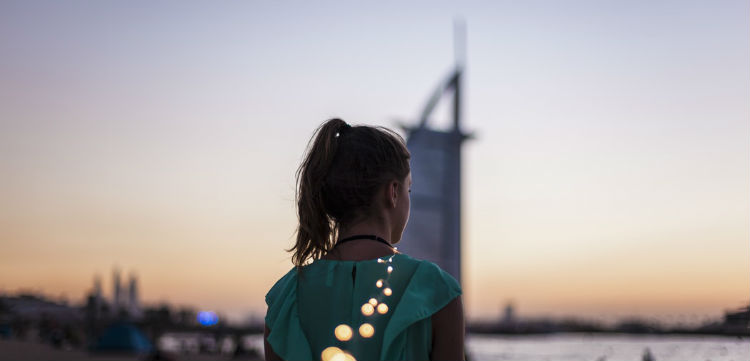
{"type": "Point", "coordinates": [609, 177]}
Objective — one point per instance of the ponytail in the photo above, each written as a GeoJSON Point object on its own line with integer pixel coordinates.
{"type": "Point", "coordinates": [316, 232]}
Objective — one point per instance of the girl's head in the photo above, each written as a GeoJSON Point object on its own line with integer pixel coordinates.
{"type": "Point", "coordinates": [349, 174]}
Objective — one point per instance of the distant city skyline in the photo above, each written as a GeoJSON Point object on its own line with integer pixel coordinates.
{"type": "Point", "coordinates": [609, 176]}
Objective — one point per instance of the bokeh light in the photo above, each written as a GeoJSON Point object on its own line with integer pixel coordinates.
{"type": "Point", "coordinates": [367, 309]}
{"type": "Point", "coordinates": [387, 291]}
{"type": "Point", "coordinates": [382, 308]}
{"type": "Point", "coordinates": [379, 283]}
{"type": "Point", "coordinates": [207, 318]}
{"type": "Point", "coordinates": [343, 332]}
{"type": "Point", "coordinates": [373, 302]}
{"type": "Point", "coordinates": [329, 353]}
{"type": "Point", "coordinates": [366, 330]}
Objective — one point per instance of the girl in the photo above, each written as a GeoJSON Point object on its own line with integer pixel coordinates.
{"type": "Point", "coordinates": [351, 295]}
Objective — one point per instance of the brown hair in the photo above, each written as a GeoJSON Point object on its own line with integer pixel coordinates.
{"type": "Point", "coordinates": [343, 168]}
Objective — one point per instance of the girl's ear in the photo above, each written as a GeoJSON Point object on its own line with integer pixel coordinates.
{"type": "Point", "coordinates": [393, 193]}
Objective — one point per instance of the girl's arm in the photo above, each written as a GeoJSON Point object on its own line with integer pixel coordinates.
{"type": "Point", "coordinates": [270, 355]}
{"type": "Point", "coordinates": [448, 332]}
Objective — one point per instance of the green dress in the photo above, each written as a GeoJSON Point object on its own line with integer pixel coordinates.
{"type": "Point", "coordinates": [329, 304]}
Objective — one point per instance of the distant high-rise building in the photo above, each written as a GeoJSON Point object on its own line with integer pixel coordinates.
{"type": "Point", "coordinates": [125, 300]}
{"type": "Point", "coordinates": [98, 287]}
{"type": "Point", "coordinates": [434, 229]}
{"type": "Point", "coordinates": [116, 291]}
{"type": "Point", "coordinates": [509, 315]}
{"type": "Point", "coordinates": [97, 293]}
{"type": "Point", "coordinates": [133, 307]}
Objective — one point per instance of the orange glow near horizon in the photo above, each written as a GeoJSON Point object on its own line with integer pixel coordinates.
{"type": "Point", "coordinates": [608, 176]}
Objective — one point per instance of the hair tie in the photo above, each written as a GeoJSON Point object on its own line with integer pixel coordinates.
{"type": "Point", "coordinates": [343, 129]}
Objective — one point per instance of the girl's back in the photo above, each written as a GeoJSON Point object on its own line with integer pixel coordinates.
{"type": "Point", "coordinates": [376, 309]}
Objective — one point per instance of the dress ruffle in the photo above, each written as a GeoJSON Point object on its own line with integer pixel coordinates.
{"type": "Point", "coordinates": [287, 338]}
{"type": "Point", "coordinates": [429, 290]}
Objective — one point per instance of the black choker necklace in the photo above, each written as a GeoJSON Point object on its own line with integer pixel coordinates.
{"type": "Point", "coordinates": [364, 236]}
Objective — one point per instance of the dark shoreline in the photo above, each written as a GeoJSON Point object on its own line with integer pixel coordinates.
{"type": "Point", "coordinates": [613, 332]}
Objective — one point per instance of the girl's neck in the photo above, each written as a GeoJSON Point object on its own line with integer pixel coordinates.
{"type": "Point", "coordinates": [362, 249]}
{"type": "Point", "coordinates": [379, 228]}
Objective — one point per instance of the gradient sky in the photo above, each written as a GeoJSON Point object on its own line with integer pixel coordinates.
{"type": "Point", "coordinates": [609, 176]}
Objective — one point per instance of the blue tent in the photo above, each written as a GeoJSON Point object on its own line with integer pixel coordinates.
{"type": "Point", "coordinates": [123, 337]}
